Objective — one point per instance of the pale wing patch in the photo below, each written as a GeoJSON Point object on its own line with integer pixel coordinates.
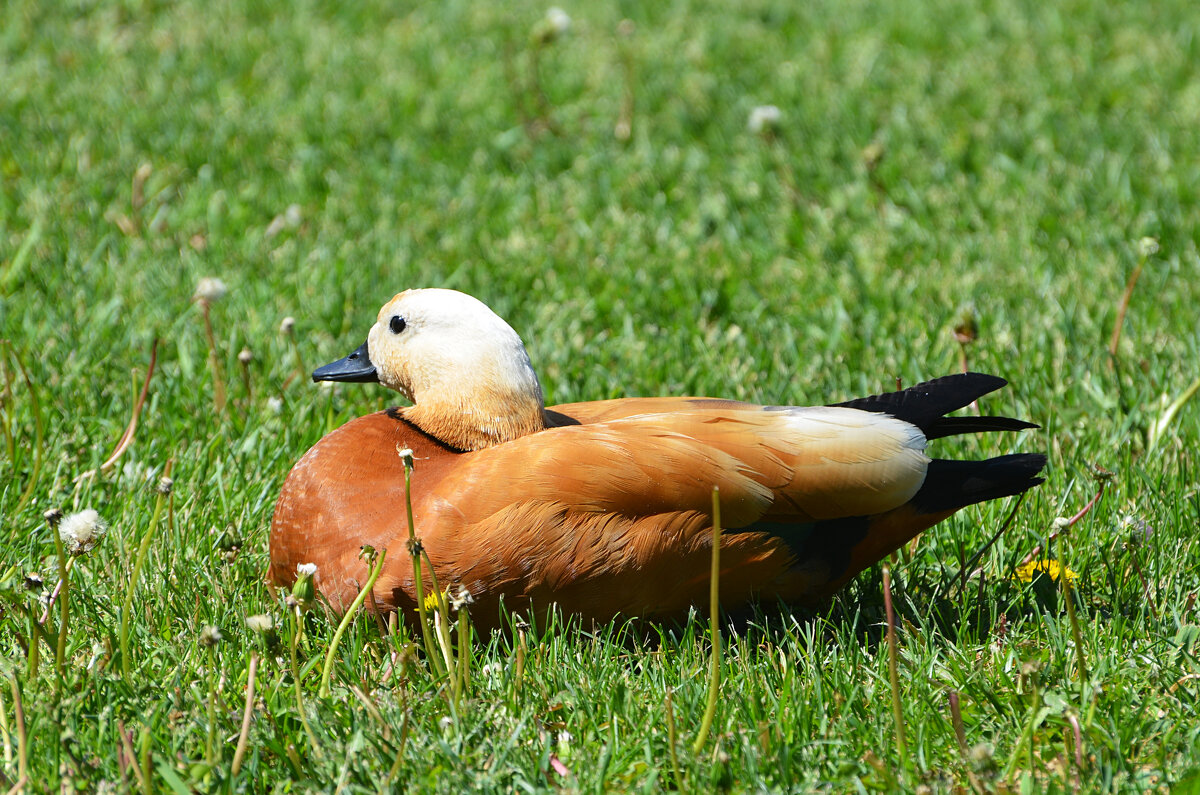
{"type": "Point", "coordinates": [851, 462]}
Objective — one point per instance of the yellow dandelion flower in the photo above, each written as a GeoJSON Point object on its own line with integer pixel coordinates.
{"type": "Point", "coordinates": [1027, 571]}
{"type": "Point", "coordinates": [433, 598]}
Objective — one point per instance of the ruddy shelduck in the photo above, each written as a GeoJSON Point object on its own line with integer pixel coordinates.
{"type": "Point", "coordinates": [604, 508]}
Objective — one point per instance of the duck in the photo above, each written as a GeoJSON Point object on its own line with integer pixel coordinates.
{"type": "Point", "coordinates": [604, 509]}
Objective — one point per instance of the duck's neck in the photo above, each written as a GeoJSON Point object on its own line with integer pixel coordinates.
{"type": "Point", "coordinates": [478, 421]}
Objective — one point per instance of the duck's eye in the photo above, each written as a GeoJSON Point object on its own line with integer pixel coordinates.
{"type": "Point", "coordinates": [396, 324]}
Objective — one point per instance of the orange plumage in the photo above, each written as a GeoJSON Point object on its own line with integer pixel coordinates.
{"type": "Point", "coordinates": [604, 508]}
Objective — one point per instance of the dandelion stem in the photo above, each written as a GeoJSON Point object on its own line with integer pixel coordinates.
{"type": "Point", "coordinates": [147, 781]}
{"type": "Point", "coordinates": [464, 654]}
{"type": "Point", "coordinates": [327, 669]}
{"type": "Point", "coordinates": [54, 594]}
{"type": "Point", "coordinates": [290, 331]}
{"type": "Point", "coordinates": [714, 629]}
{"type": "Point", "coordinates": [138, 562]}
{"type": "Point", "coordinates": [22, 739]}
{"type": "Point", "coordinates": [1123, 307]}
{"type": "Point", "coordinates": [214, 360]}
{"type": "Point", "coordinates": [5, 419]}
{"type": "Point", "coordinates": [5, 732]}
{"type": "Point", "coordinates": [414, 549]}
{"type": "Point", "coordinates": [1076, 635]}
{"type": "Point", "coordinates": [127, 437]}
{"type": "Point", "coordinates": [35, 652]}
{"type": "Point", "coordinates": [295, 642]}
{"type": "Point", "coordinates": [442, 624]}
{"type": "Point", "coordinates": [960, 734]}
{"type": "Point", "coordinates": [64, 612]}
{"type": "Point", "coordinates": [210, 739]}
{"type": "Point", "coordinates": [244, 735]}
{"type": "Point", "coordinates": [894, 669]}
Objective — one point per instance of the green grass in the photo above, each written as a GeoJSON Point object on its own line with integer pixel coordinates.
{"type": "Point", "coordinates": [999, 157]}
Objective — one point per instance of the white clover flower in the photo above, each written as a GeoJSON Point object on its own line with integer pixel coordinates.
{"type": "Point", "coordinates": [210, 289]}
{"type": "Point", "coordinates": [80, 532]}
{"type": "Point", "coordinates": [306, 569]}
{"type": "Point", "coordinates": [764, 118]}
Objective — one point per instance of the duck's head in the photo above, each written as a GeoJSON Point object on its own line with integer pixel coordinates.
{"type": "Point", "coordinates": [465, 370]}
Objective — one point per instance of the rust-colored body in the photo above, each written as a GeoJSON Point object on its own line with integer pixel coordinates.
{"type": "Point", "coordinates": [606, 512]}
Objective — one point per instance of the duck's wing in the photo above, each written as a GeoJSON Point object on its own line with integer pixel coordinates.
{"type": "Point", "coordinates": [768, 463]}
{"type": "Point", "coordinates": [615, 517]}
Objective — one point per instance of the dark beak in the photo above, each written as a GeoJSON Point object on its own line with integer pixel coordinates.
{"type": "Point", "coordinates": [356, 367]}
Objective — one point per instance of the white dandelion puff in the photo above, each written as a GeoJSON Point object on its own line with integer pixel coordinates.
{"type": "Point", "coordinates": [210, 289]}
{"type": "Point", "coordinates": [81, 531]}
{"type": "Point", "coordinates": [764, 119]}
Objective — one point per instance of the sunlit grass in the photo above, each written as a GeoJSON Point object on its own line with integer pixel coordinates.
{"type": "Point", "coordinates": [1014, 185]}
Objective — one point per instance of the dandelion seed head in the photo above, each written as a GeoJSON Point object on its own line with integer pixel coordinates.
{"type": "Point", "coordinates": [461, 598]}
{"type": "Point", "coordinates": [210, 289]}
{"type": "Point", "coordinates": [764, 119]}
{"type": "Point", "coordinates": [210, 636]}
{"type": "Point", "coordinates": [275, 405]}
{"type": "Point", "coordinates": [260, 623]}
{"type": "Point", "coordinates": [306, 569]}
{"type": "Point", "coordinates": [245, 356]}
{"type": "Point", "coordinates": [1147, 247]}
{"type": "Point", "coordinates": [81, 531]}
{"type": "Point", "coordinates": [558, 20]}
{"type": "Point", "coordinates": [551, 27]}
{"type": "Point", "coordinates": [287, 325]}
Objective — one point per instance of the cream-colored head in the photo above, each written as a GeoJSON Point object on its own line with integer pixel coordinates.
{"type": "Point", "coordinates": [465, 370]}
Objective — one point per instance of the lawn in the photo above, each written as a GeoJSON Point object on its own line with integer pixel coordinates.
{"type": "Point", "coordinates": [1008, 165]}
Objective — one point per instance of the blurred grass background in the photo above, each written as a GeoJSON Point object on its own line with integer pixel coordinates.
{"type": "Point", "coordinates": [601, 189]}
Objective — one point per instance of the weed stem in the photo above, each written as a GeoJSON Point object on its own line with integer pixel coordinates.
{"type": "Point", "coordinates": [714, 628]}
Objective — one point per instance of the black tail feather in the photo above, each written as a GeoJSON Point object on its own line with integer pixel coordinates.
{"type": "Point", "coordinates": [953, 426]}
{"type": "Point", "coordinates": [926, 404]}
{"type": "Point", "coordinates": [950, 485]}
